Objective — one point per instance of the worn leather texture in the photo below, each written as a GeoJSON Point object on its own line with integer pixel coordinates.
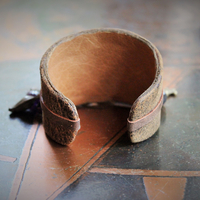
{"type": "Point", "coordinates": [101, 65]}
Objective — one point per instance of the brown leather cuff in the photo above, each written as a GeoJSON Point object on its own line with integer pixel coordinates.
{"type": "Point", "coordinates": [101, 65]}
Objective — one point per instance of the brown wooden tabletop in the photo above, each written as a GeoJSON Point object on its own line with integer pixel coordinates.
{"type": "Point", "coordinates": [101, 163]}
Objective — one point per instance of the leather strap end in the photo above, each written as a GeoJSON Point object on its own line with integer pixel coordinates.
{"type": "Point", "coordinates": [135, 125]}
{"type": "Point", "coordinates": [71, 125]}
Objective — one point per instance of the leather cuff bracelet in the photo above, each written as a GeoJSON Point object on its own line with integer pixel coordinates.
{"type": "Point", "coordinates": [101, 65]}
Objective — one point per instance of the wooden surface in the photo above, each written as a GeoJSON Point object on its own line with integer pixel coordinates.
{"type": "Point", "coordinates": [101, 163]}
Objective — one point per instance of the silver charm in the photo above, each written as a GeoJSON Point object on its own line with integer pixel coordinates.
{"type": "Point", "coordinates": [169, 92]}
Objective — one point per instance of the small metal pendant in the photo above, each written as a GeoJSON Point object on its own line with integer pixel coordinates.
{"type": "Point", "coordinates": [169, 92]}
{"type": "Point", "coordinates": [30, 101]}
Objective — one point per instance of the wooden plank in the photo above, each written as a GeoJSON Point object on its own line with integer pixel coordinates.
{"type": "Point", "coordinates": [140, 172]}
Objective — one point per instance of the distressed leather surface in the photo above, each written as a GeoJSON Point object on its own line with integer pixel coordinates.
{"type": "Point", "coordinates": [101, 65]}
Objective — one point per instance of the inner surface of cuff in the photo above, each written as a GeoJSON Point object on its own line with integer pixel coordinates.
{"type": "Point", "coordinates": [102, 66]}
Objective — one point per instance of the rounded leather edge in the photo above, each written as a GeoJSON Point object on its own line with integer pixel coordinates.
{"type": "Point", "coordinates": [146, 102]}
